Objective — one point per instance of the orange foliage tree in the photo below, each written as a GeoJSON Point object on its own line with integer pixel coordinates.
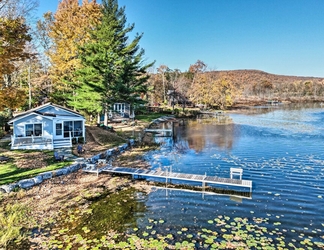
{"type": "Point", "coordinates": [13, 39]}
{"type": "Point", "coordinates": [68, 30]}
{"type": "Point", "coordinates": [12, 98]}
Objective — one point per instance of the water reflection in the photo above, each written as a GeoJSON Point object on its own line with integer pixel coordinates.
{"type": "Point", "coordinates": [233, 194]}
{"type": "Point", "coordinates": [279, 149]}
{"type": "Point", "coordinates": [201, 133]}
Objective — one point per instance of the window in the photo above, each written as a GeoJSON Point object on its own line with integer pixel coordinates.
{"type": "Point", "coordinates": [38, 129]}
{"type": "Point", "coordinates": [75, 127]}
{"type": "Point", "coordinates": [34, 129]}
{"type": "Point", "coordinates": [68, 127]}
{"type": "Point", "coordinates": [119, 107]}
{"type": "Point", "coordinates": [29, 129]}
{"type": "Point", "coordinates": [58, 129]}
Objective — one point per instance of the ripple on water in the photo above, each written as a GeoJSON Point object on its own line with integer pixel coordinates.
{"type": "Point", "coordinates": [280, 152]}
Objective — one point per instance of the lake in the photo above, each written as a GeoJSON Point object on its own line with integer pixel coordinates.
{"type": "Point", "coordinates": [279, 148]}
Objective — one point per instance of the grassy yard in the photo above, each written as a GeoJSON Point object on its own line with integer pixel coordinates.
{"type": "Point", "coordinates": [149, 117]}
{"type": "Point", "coordinates": [25, 164]}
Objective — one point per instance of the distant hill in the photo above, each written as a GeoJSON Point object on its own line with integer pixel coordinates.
{"type": "Point", "coordinates": [255, 86]}
{"type": "Point", "coordinates": [258, 76]}
{"type": "Point", "coordinates": [227, 88]}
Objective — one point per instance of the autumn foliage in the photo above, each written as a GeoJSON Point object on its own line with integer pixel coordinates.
{"type": "Point", "coordinates": [11, 98]}
{"type": "Point", "coordinates": [68, 31]}
{"type": "Point", "coordinates": [90, 59]}
{"type": "Point", "coordinates": [13, 39]}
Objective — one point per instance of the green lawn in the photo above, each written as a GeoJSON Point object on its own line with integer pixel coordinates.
{"type": "Point", "coordinates": [10, 173]}
{"type": "Point", "coordinates": [149, 117]}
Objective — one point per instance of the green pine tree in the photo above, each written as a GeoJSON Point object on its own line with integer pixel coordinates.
{"type": "Point", "coordinates": [112, 67]}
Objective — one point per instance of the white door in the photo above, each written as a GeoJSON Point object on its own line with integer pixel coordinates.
{"type": "Point", "coordinates": [58, 130]}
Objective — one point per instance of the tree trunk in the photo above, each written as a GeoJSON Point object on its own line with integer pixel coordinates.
{"type": "Point", "coordinates": [29, 88]}
{"type": "Point", "coordinates": [106, 118]}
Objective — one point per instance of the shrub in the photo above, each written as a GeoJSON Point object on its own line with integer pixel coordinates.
{"type": "Point", "coordinates": [81, 139]}
{"type": "Point", "coordinates": [74, 140]}
{"type": "Point", "coordinates": [119, 133]}
{"type": "Point", "coordinates": [1, 133]}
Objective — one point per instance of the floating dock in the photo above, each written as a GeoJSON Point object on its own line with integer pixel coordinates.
{"type": "Point", "coordinates": [168, 175]}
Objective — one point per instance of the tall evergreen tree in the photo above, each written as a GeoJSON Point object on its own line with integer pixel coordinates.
{"type": "Point", "coordinates": [112, 67]}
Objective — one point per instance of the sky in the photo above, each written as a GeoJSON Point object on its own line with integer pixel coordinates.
{"type": "Point", "coordinates": [284, 37]}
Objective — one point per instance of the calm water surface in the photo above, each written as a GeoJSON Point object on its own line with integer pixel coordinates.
{"type": "Point", "coordinates": [279, 148]}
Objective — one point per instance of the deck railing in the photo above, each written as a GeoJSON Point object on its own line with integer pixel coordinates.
{"type": "Point", "coordinates": [29, 142]}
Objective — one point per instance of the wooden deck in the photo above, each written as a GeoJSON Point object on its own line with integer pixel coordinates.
{"type": "Point", "coordinates": [157, 130]}
{"type": "Point", "coordinates": [167, 175]}
{"type": "Point", "coordinates": [212, 113]}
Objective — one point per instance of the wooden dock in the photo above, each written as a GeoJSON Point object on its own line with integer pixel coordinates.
{"type": "Point", "coordinates": [157, 130]}
{"type": "Point", "coordinates": [168, 175]}
{"type": "Point", "coordinates": [212, 113]}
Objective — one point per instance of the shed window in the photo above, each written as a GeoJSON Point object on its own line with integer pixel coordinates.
{"type": "Point", "coordinates": [34, 129]}
{"type": "Point", "coordinates": [119, 107]}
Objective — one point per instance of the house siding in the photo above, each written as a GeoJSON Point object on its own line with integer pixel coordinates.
{"type": "Point", "coordinates": [48, 116]}
{"type": "Point", "coordinates": [47, 125]}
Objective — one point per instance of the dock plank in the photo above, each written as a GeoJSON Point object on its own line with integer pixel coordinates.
{"type": "Point", "coordinates": [173, 175]}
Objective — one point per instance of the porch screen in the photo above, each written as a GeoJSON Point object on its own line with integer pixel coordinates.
{"type": "Point", "coordinates": [73, 127]}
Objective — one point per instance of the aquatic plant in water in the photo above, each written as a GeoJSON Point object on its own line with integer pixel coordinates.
{"type": "Point", "coordinates": [224, 233]}
{"type": "Point", "coordinates": [12, 221]}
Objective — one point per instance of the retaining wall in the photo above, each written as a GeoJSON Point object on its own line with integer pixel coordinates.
{"type": "Point", "coordinates": [29, 183]}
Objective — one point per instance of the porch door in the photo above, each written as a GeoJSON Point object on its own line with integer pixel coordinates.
{"type": "Point", "coordinates": [58, 130]}
{"type": "Point", "coordinates": [68, 129]}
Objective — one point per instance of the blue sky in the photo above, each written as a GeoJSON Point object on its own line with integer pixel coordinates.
{"type": "Point", "coordinates": [277, 36]}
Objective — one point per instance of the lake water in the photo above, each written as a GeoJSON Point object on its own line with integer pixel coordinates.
{"type": "Point", "coordinates": [279, 148]}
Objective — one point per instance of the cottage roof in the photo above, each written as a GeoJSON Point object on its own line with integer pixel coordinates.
{"type": "Point", "coordinates": [38, 111]}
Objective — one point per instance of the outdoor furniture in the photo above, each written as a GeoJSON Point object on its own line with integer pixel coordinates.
{"type": "Point", "coordinates": [236, 171]}
{"type": "Point", "coordinates": [58, 157]}
{"type": "Point", "coordinates": [102, 161]}
{"type": "Point", "coordinates": [80, 149]}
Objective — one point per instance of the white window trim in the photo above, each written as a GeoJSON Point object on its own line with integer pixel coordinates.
{"type": "Point", "coordinates": [42, 131]}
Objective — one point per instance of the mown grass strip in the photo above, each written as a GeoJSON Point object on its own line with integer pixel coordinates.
{"type": "Point", "coordinates": [9, 172]}
{"type": "Point", "coordinates": [149, 117]}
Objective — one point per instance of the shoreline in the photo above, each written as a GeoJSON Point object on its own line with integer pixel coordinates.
{"type": "Point", "coordinates": [46, 201]}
